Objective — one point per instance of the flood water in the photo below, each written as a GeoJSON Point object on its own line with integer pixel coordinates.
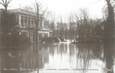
{"type": "Point", "coordinates": [71, 58]}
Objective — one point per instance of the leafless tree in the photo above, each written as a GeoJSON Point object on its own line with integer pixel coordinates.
{"type": "Point", "coordinates": [5, 4]}
{"type": "Point", "coordinates": [109, 25]}
{"type": "Point", "coordinates": [38, 26]}
{"type": "Point", "coordinates": [109, 28]}
{"type": "Point", "coordinates": [109, 40]}
{"type": "Point", "coordinates": [5, 15]}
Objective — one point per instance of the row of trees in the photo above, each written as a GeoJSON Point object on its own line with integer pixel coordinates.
{"type": "Point", "coordinates": [81, 29]}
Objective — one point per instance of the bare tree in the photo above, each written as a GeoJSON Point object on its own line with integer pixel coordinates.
{"type": "Point", "coordinates": [5, 4]}
{"type": "Point", "coordinates": [37, 9]}
{"type": "Point", "coordinates": [109, 40]}
{"type": "Point", "coordinates": [109, 28]}
{"type": "Point", "coordinates": [5, 25]}
{"type": "Point", "coordinates": [39, 18]}
{"type": "Point", "coordinates": [109, 24]}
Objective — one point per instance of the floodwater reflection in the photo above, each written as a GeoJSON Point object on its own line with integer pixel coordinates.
{"type": "Point", "coordinates": [70, 58]}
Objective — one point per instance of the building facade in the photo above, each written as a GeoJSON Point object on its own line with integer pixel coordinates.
{"type": "Point", "coordinates": [24, 22]}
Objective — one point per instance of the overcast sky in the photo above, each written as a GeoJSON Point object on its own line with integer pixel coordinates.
{"type": "Point", "coordinates": [65, 7]}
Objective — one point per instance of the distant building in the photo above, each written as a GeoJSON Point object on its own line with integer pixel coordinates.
{"type": "Point", "coordinates": [44, 33]}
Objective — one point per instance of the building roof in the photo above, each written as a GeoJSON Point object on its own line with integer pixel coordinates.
{"type": "Point", "coordinates": [22, 11]}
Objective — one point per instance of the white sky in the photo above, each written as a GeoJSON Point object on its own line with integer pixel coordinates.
{"type": "Point", "coordinates": [65, 7]}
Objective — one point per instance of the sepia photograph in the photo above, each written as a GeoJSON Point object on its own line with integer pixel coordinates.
{"type": "Point", "coordinates": [57, 36]}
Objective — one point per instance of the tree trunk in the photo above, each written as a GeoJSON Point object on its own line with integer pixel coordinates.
{"type": "Point", "coordinates": [108, 53]}
{"type": "Point", "coordinates": [109, 38]}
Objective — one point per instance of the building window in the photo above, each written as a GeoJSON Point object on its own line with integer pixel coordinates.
{"type": "Point", "coordinates": [29, 21]}
{"type": "Point", "coordinates": [22, 20]}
